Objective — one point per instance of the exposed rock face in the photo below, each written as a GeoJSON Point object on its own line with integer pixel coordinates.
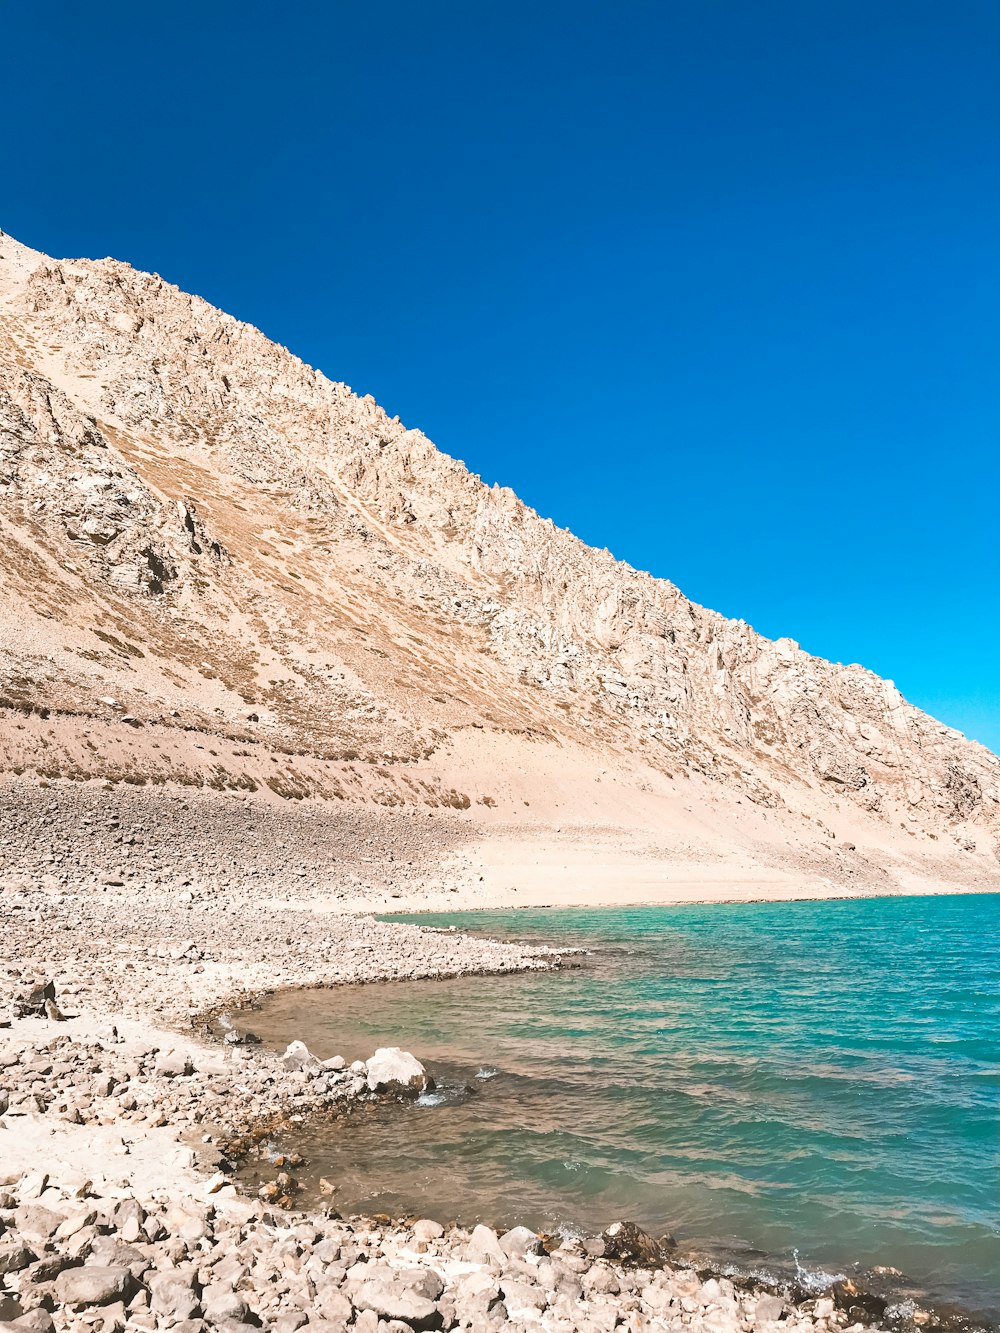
{"type": "Point", "coordinates": [207, 543]}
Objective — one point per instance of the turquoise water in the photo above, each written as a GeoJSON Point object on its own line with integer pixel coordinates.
{"type": "Point", "coordinates": [810, 1083]}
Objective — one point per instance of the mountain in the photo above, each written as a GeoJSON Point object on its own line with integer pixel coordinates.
{"type": "Point", "coordinates": [221, 572]}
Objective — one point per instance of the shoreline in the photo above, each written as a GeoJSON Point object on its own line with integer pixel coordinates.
{"type": "Point", "coordinates": [188, 1182]}
{"type": "Point", "coordinates": [766, 1271]}
{"type": "Point", "coordinates": [107, 1095]}
{"type": "Point", "coordinates": [666, 903]}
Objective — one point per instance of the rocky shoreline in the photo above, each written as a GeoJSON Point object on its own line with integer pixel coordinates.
{"type": "Point", "coordinates": [122, 1120]}
{"type": "Point", "coordinates": [89, 1257]}
{"type": "Point", "coordinates": [120, 1208]}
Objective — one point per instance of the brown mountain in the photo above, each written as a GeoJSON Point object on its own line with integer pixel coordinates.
{"type": "Point", "coordinates": [221, 573]}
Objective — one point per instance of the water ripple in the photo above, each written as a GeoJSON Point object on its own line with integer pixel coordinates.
{"type": "Point", "coordinates": [817, 1078]}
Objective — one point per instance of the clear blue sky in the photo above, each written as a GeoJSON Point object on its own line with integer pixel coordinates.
{"type": "Point", "coordinates": [714, 283]}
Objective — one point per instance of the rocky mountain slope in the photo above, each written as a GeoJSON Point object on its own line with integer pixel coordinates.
{"type": "Point", "coordinates": [221, 571]}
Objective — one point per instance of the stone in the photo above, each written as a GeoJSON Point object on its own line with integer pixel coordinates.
{"type": "Point", "coordinates": [14, 1256]}
{"type": "Point", "coordinates": [484, 1247]}
{"type": "Point", "coordinates": [33, 1184]}
{"type": "Point", "coordinates": [520, 1241]}
{"type": "Point", "coordinates": [393, 1070]}
{"type": "Point", "coordinates": [768, 1309]}
{"type": "Point", "coordinates": [475, 1294]}
{"type": "Point", "coordinates": [35, 1321]}
{"type": "Point", "coordinates": [47, 1269]}
{"type": "Point", "coordinates": [94, 1285]}
{"type": "Point", "coordinates": [220, 1302]}
{"type": "Point", "coordinates": [174, 1064]}
{"type": "Point", "coordinates": [298, 1056]}
{"type": "Point", "coordinates": [426, 1229]}
{"type": "Point", "coordinates": [628, 1243]}
{"type": "Point", "coordinates": [600, 1280]}
{"type": "Point", "coordinates": [175, 1292]}
{"type": "Point", "coordinates": [392, 1300]}
{"type": "Point", "coordinates": [37, 1223]}
{"type": "Point", "coordinates": [289, 1323]}
{"type": "Point", "coordinates": [522, 1298]}
{"type": "Point", "coordinates": [74, 1223]}
{"type": "Point", "coordinates": [424, 1280]}
{"type": "Point", "coordinates": [333, 1305]}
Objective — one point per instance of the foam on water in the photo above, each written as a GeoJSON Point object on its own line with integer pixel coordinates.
{"type": "Point", "coordinates": [814, 1086]}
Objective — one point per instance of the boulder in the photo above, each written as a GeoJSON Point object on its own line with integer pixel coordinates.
{"type": "Point", "coordinates": [768, 1309]}
{"type": "Point", "coordinates": [14, 1256]}
{"type": "Point", "coordinates": [629, 1244]}
{"type": "Point", "coordinates": [484, 1247]}
{"type": "Point", "coordinates": [298, 1056]}
{"type": "Point", "coordinates": [520, 1241]}
{"type": "Point", "coordinates": [174, 1292]}
{"type": "Point", "coordinates": [333, 1306]}
{"type": "Point", "coordinates": [392, 1300]}
{"type": "Point", "coordinates": [219, 1302]}
{"type": "Point", "coordinates": [94, 1285]}
{"type": "Point", "coordinates": [173, 1064]}
{"type": "Point", "coordinates": [393, 1070]}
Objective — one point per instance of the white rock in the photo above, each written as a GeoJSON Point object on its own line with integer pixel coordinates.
{"type": "Point", "coordinates": [392, 1069]}
{"type": "Point", "coordinates": [298, 1056]}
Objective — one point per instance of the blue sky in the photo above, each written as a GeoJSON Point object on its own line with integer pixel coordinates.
{"type": "Point", "coordinates": [715, 284]}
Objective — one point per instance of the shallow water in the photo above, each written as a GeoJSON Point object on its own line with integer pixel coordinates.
{"type": "Point", "coordinates": [802, 1082]}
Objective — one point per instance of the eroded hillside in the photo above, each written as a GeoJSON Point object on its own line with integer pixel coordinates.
{"type": "Point", "coordinates": [222, 571]}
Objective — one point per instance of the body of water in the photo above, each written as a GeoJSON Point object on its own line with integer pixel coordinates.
{"type": "Point", "coordinates": [810, 1084]}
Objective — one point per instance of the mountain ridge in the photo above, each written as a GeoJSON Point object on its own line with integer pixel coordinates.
{"type": "Point", "coordinates": [239, 547]}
